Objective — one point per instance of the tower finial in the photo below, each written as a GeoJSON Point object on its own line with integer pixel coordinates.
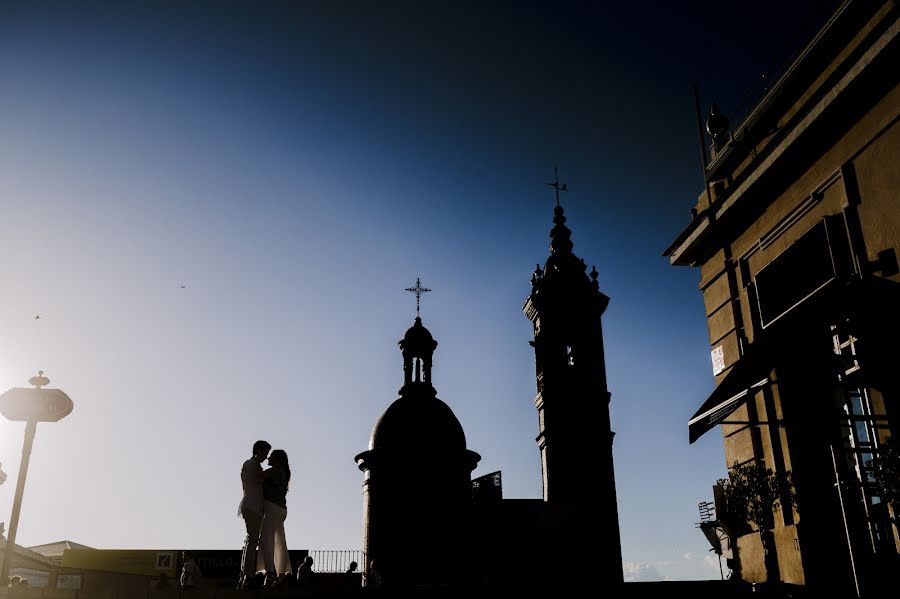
{"type": "Point", "coordinates": [555, 185]}
{"type": "Point", "coordinates": [418, 290]}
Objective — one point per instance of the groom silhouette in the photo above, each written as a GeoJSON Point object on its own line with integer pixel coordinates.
{"type": "Point", "coordinates": [251, 510]}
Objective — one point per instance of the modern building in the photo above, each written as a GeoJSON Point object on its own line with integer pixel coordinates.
{"type": "Point", "coordinates": [421, 507]}
{"type": "Point", "coordinates": [796, 238]}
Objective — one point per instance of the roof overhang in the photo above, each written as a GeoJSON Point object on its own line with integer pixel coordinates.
{"type": "Point", "coordinates": [691, 246]}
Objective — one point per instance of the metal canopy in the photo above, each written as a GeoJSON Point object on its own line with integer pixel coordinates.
{"type": "Point", "coordinates": [747, 374]}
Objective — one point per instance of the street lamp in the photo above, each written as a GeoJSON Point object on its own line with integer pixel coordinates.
{"type": "Point", "coordinates": [30, 406]}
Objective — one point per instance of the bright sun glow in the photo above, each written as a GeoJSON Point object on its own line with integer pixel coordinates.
{"type": "Point", "coordinates": [7, 378]}
{"type": "Point", "coordinates": [10, 432]}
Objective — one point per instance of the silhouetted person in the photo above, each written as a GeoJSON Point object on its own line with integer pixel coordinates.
{"type": "Point", "coordinates": [350, 575]}
{"type": "Point", "coordinates": [190, 572]}
{"type": "Point", "coordinates": [373, 579]}
{"type": "Point", "coordinates": [251, 510]}
{"type": "Point", "coordinates": [304, 571]}
{"type": "Point", "coordinates": [273, 552]}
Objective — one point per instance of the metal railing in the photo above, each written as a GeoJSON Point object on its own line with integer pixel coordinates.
{"type": "Point", "coordinates": [336, 560]}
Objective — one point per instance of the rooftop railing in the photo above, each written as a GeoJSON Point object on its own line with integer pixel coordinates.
{"type": "Point", "coordinates": [336, 560]}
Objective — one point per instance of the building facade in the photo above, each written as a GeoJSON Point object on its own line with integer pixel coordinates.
{"type": "Point", "coordinates": [796, 238]}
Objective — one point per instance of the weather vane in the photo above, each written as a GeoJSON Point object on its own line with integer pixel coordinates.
{"type": "Point", "coordinates": [555, 185]}
{"type": "Point", "coordinates": [418, 290]}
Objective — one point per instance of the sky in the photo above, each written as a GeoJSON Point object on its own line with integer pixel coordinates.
{"type": "Point", "coordinates": [215, 209]}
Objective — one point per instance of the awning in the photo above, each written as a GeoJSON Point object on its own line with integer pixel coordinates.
{"type": "Point", "coordinates": [749, 373]}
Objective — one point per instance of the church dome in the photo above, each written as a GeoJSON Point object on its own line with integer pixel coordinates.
{"type": "Point", "coordinates": [418, 421]}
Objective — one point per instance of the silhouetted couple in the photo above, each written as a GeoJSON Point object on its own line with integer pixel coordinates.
{"type": "Point", "coordinates": [264, 509]}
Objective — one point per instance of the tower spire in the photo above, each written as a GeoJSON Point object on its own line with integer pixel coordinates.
{"type": "Point", "coordinates": [565, 307]}
{"type": "Point", "coordinates": [560, 241]}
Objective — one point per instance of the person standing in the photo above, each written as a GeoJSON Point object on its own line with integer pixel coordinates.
{"type": "Point", "coordinates": [272, 542]}
{"type": "Point", "coordinates": [251, 510]}
{"type": "Point", "coordinates": [190, 572]}
{"type": "Point", "coordinates": [351, 576]}
{"type": "Point", "coordinates": [373, 579]}
{"type": "Point", "coordinates": [305, 571]}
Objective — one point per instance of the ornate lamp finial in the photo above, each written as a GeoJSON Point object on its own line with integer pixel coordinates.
{"type": "Point", "coordinates": [40, 380]}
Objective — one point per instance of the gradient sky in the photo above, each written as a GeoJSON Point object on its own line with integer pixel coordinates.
{"type": "Point", "coordinates": [296, 165]}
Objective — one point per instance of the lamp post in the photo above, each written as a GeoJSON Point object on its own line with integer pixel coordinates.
{"type": "Point", "coordinates": [30, 406]}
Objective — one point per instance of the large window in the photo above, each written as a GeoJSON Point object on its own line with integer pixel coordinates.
{"type": "Point", "coordinates": [811, 263]}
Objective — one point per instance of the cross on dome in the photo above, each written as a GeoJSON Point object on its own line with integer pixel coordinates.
{"type": "Point", "coordinates": [418, 290]}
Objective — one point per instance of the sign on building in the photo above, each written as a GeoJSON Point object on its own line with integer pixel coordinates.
{"type": "Point", "coordinates": [68, 581]}
{"type": "Point", "coordinates": [718, 360]}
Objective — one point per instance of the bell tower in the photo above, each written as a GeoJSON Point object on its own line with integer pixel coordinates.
{"type": "Point", "coordinates": [575, 437]}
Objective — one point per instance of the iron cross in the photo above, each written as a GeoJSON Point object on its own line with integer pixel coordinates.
{"type": "Point", "coordinates": [418, 290]}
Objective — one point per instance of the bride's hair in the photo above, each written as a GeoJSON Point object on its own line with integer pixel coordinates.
{"type": "Point", "coordinates": [279, 458]}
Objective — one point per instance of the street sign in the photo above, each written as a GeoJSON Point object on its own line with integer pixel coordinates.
{"type": "Point", "coordinates": [31, 406]}
{"type": "Point", "coordinates": [35, 405]}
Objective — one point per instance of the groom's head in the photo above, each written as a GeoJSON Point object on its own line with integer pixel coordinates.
{"type": "Point", "coordinates": [261, 450]}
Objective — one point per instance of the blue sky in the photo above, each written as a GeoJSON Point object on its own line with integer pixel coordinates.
{"type": "Point", "coordinates": [295, 166]}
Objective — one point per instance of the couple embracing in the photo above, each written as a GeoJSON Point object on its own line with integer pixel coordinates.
{"type": "Point", "coordinates": [264, 509]}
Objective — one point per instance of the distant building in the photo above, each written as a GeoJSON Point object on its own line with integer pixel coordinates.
{"type": "Point", "coordinates": [428, 523]}
{"type": "Point", "coordinates": [72, 567]}
{"type": "Point", "coordinates": [29, 563]}
{"type": "Point", "coordinates": [54, 551]}
{"type": "Point", "coordinates": [796, 239]}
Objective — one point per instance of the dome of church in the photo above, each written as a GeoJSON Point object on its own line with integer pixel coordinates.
{"type": "Point", "coordinates": [418, 421]}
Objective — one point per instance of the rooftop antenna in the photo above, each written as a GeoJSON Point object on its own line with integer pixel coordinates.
{"type": "Point", "coordinates": [702, 140]}
{"type": "Point", "coordinates": [555, 185]}
{"type": "Point", "coordinates": [418, 290]}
